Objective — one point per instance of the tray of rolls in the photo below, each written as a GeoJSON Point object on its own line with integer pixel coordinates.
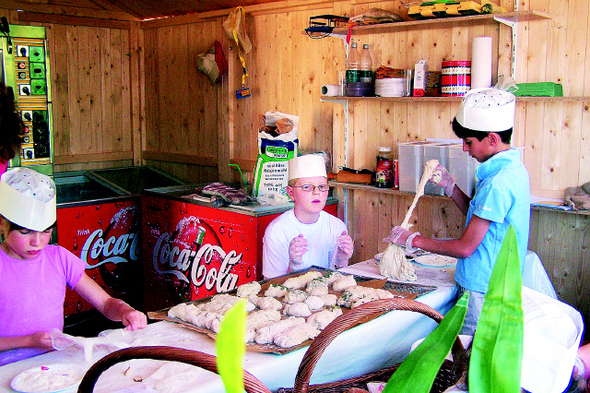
{"type": "Point", "coordinates": [284, 313]}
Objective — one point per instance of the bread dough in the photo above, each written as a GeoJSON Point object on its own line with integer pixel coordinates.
{"type": "Point", "coordinates": [296, 335]}
{"type": "Point", "coordinates": [249, 289]}
{"type": "Point", "coordinates": [266, 334]}
{"type": "Point", "coordinates": [276, 290]}
{"type": "Point", "coordinates": [393, 263]}
{"type": "Point", "coordinates": [342, 283]}
{"type": "Point", "coordinates": [297, 310]}
{"type": "Point", "coordinates": [314, 303]}
{"type": "Point", "coordinates": [323, 318]}
{"type": "Point", "coordinates": [295, 296]}
{"type": "Point", "coordinates": [317, 286]}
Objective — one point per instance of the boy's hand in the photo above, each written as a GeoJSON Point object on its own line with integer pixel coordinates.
{"type": "Point", "coordinates": [443, 178]}
{"type": "Point", "coordinates": [398, 236]}
{"type": "Point", "coordinates": [297, 248]}
{"type": "Point", "coordinates": [134, 320]}
{"type": "Point", "coordinates": [345, 246]}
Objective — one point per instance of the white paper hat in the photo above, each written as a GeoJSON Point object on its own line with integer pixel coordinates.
{"type": "Point", "coordinates": [552, 333]}
{"type": "Point", "coordinates": [487, 109]}
{"type": "Point", "coordinates": [308, 165]}
{"type": "Point", "coordinates": [28, 199]}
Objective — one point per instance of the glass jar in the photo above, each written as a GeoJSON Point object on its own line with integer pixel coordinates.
{"type": "Point", "coordinates": [384, 170]}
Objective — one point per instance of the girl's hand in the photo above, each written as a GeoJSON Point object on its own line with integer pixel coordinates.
{"type": "Point", "coordinates": [134, 319]}
{"type": "Point", "coordinates": [40, 340]}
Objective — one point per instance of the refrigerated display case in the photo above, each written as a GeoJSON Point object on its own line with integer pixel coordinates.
{"type": "Point", "coordinates": [133, 180]}
{"type": "Point", "coordinates": [99, 220]}
{"type": "Point", "coordinates": [101, 225]}
{"type": "Point", "coordinates": [192, 249]}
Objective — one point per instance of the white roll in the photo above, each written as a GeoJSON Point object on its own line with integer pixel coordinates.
{"type": "Point", "coordinates": [481, 62]}
{"type": "Point", "coordinates": [331, 90]}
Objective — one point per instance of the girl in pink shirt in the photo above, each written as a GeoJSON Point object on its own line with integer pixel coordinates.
{"type": "Point", "coordinates": [34, 274]}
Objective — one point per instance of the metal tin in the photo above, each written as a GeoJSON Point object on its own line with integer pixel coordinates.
{"type": "Point", "coordinates": [455, 78]}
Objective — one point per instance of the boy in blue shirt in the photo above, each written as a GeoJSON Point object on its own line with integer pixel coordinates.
{"type": "Point", "coordinates": [484, 122]}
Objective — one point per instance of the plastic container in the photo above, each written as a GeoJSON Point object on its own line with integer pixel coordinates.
{"type": "Point", "coordinates": [440, 152]}
{"type": "Point", "coordinates": [463, 167]}
{"type": "Point", "coordinates": [455, 78]}
{"type": "Point", "coordinates": [411, 164]}
{"type": "Point", "coordinates": [384, 171]}
{"type": "Point", "coordinates": [353, 65]}
{"type": "Point", "coordinates": [359, 89]}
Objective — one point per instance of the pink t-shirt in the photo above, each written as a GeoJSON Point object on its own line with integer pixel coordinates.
{"type": "Point", "coordinates": [3, 166]}
{"type": "Point", "coordinates": [32, 295]}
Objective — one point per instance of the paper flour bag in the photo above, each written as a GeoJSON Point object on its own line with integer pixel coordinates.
{"type": "Point", "coordinates": [277, 144]}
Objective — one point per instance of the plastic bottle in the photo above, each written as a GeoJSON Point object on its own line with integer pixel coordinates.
{"type": "Point", "coordinates": [353, 63]}
{"type": "Point", "coordinates": [384, 170]}
{"type": "Point", "coordinates": [366, 65]}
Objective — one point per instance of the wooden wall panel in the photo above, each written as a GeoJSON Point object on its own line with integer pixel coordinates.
{"type": "Point", "coordinates": [181, 103]}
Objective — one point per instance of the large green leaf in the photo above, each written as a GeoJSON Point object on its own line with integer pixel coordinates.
{"type": "Point", "coordinates": [496, 357]}
{"type": "Point", "coordinates": [231, 347]}
{"type": "Point", "coordinates": [418, 371]}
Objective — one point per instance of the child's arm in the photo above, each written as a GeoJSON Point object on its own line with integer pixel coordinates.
{"type": "Point", "coordinates": [35, 340]}
{"type": "Point", "coordinates": [113, 309]}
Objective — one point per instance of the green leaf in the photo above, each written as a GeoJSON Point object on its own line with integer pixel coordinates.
{"type": "Point", "coordinates": [418, 371]}
{"type": "Point", "coordinates": [496, 357]}
{"type": "Point", "coordinates": [231, 347]}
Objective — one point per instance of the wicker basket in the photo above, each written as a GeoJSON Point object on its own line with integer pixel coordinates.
{"type": "Point", "coordinates": [196, 358]}
{"type": "Point", "coordinates": [446, 377]}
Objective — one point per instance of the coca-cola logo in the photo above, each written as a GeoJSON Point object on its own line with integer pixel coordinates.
{"type": "Point", "coordinates": [193, 262]}
{"type": "Point", "coordinates": [110, 250]}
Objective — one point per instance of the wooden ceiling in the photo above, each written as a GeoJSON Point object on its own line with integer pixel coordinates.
{"type": "Point", "coordinates": [150, 9]}
{"type": "Point", "coordinates": [128, 9]}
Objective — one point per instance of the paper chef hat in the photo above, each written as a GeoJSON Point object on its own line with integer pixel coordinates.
{"type": "Point", "coordinates": [552, 333]}
{"type": "Point", "coordinates": [487, 109]}
{"type": "Point", "coordinates": [28, 199]}
{"type": "Point", "coordinates": [308, 165]}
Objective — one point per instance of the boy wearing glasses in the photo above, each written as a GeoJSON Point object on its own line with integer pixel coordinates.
{"type": "Point", "coordinates": [306, 235]}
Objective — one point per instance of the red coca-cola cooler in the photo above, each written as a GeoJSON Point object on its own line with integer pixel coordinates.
{"type": "Point", "coordinates": [99, 220]}
{"type": "Point", "coordinates": [193, 249]}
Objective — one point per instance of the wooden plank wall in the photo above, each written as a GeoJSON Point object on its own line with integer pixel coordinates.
{"type": "Point", "coordinates": [93, 92]}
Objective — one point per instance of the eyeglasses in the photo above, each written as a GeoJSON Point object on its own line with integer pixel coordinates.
{"type": "Point", "coordinates": [311, 187]}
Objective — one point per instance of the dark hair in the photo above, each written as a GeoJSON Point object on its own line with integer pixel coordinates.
{"type": "Point", "coordinates": [463, 132]}
{"type": "Point", "coordinates": [12, 128]}
{"type": "Point", "coordinates": [15, 227]}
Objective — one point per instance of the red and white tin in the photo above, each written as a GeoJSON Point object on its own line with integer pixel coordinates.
{"type": "Point", "coordinates": [455, 78]}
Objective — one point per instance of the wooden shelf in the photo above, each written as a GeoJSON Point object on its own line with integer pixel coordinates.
{"type": "Point", "coordinates": [391, 191]}
{"type": "Point", "coordinates": [369, 188]}
{"type": "Point", "coordinates": [516, 16]}
{"type": "Point", "coordinates": [447, 99]}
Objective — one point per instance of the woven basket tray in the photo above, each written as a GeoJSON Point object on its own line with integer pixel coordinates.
{"type": "Point", "coordinates": [447, 376]}
{"type": "Point", "coordinates": [196, 358]}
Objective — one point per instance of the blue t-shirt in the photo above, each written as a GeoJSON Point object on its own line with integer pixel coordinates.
{"type": "Point", "coordinates": [502, 196]}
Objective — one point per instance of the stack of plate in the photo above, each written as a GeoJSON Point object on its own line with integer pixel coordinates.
{"type": "Point", "coordinates": [390, 87]}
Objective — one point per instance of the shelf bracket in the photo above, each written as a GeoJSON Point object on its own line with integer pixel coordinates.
{"type": "Point", "coordinates": [512, 24]}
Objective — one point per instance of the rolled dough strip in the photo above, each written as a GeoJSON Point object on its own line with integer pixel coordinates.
{"type": "Point", "coordinates": [393, 262]}
{"type": "Point", "coordinates": [429, 169]}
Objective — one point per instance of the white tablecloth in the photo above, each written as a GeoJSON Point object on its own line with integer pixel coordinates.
{"type": "Point", "coordinates": [379, 343]}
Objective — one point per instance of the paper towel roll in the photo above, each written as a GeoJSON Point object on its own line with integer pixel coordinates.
{"type": "Point", "coordinates": [331, 90]}
{"type": "Point", "coordinates": [481, 62]}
